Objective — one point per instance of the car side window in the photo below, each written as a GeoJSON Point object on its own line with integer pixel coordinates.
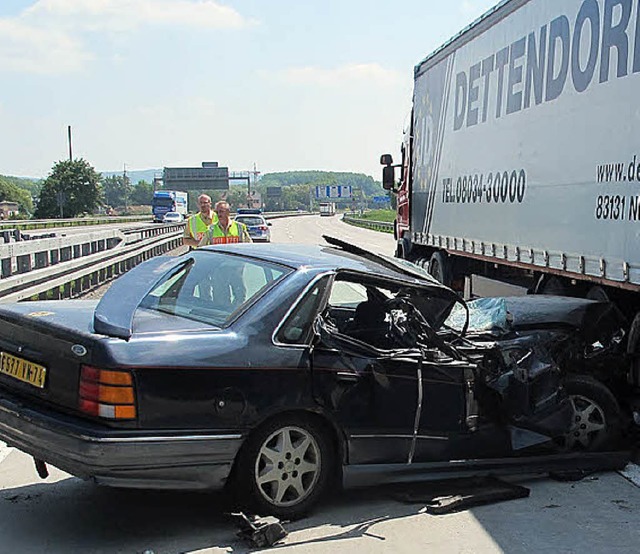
{"type": "Point", "coordinates": [347, 294]}
{"type": "Point", "coordinates": [298, 326]}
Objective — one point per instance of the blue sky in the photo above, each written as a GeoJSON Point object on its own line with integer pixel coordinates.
{"type": "Point", "coordinates": [284, 84]}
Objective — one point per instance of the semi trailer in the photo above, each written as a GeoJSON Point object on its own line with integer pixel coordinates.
{"type": "Point", "coordinates": [165, 201]}
{"type": "Point", "coordinates": [521, 161]}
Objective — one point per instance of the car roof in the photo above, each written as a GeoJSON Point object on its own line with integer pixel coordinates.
{"type": "Point", "coordinates": [111, 319]}
{"type": "Point", "coordinates": [249, 216]}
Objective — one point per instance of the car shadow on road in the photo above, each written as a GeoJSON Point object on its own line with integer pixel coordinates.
{"type": "Point", "coordinates": [74, 516]}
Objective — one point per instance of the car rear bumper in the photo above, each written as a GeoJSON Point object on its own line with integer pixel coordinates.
{"type": "Point", "coordinates": [133, 459]}
{"type": "Point", "coordinates": [260, 238]}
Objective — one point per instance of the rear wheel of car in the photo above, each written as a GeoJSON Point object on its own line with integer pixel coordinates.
{"type": "Point", "coordinates": [285, 467]}
{"type": "Point", "coordinates": [596, 415]}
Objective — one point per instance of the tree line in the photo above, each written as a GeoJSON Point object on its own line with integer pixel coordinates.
{"type": "Point", "coordinates": [74, 187]}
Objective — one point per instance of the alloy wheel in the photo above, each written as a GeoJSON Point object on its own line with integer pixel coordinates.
{"type": "Point", "coordinates": [288, 466]}
{"type": "Point", "coordinates": [589, 423]}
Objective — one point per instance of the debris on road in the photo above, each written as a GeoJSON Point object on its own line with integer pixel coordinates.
{"type": "Point", "coordinates": [260, 531]}
{"type": "Point", "coordinates": [41, 468]}
{"type": "Point", "coordinates": [632, 473]}
{"type": "Point", "coordinates": [444, 497]}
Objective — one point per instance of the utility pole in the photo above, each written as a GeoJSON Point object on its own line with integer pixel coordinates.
{"type": "Point", "coordinates": [70, 151]}
{"type": "Point", "coordinates": [125, 181]}
{"type": "Point", "coordinates": [255, 174]}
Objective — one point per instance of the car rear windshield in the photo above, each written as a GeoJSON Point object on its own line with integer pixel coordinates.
{"type": "Point", "coordinates": [214, 287]}
{"type": "Point", "coordinates": [250, 221]}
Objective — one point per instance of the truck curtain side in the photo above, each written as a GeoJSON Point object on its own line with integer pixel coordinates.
{"type": "Point", "coordinates": [522, 162]}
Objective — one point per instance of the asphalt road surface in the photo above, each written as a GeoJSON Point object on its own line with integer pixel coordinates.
{"type": "Point", "coordinates": [62, 514]}
{"type": "Point", "coordinates": [65, 515]}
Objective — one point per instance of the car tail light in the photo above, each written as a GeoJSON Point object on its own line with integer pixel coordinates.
{"type": "Point", "coordinates": [106, 393]}
{"type": "Point", "coordinates": [263, 227]}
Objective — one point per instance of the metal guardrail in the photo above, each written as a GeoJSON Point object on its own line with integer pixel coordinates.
{"type": "Point", "coordinates": [67, 266]}
{"type": "Point", "coordinates": [62, 267]}
{"type": "Point", "coordinates": [51, 267]}
{"type": "Point", "coordinates": [28, 224]}
{"type": "Point", "coordinates": [383, 226]}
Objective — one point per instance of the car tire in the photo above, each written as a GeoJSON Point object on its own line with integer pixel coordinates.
{"type": "Point", "coordinates": [597, 418]}
{"type": "Point", "coordinates": [285, 467]}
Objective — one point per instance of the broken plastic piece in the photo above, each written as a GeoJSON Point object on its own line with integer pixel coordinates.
{"type": "Point", "coordinates": [260, 531]}
{"type": "Point", "coordinates": [443, 497]}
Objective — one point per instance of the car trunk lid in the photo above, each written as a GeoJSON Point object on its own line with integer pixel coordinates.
{"type": "Point", "coordinates": [43, 347]}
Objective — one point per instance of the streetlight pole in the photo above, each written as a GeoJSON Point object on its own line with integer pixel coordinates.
{"type": "Point", "coordinates": [70, 151]}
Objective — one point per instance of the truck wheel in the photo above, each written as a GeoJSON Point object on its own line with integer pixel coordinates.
{"type": "Point", "coordinates": [439, 268]}
{"type": "Point", "coordinates": [285, 467]}
{"type": "Point", "coordinates": [596, 422]}
{"type": "Point", "coordinates": [553, 286]}
{"type": "Point", "coordinates": [598, 293]}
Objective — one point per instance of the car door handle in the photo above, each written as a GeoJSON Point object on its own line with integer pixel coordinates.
{"type": "Point", "coordinates": [348, 376]}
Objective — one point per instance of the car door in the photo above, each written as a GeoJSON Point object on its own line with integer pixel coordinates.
{"type": "Point", "coordinates": [448, 411]}
{"type": "Point", "coordinates": [373, 397]}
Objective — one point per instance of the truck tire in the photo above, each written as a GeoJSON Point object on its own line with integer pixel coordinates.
{"type": "Point", "coordinates": [403, 248]}
{"type": "Point", "coordinates": [552, 286]}
{"type": "Point", "coordinates": [597, 418]}
{"type": "Point", "coordinates": [440, 268]}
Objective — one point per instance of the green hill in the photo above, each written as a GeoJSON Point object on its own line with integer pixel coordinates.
{"type": "Point", "coordinates": [323, 178]}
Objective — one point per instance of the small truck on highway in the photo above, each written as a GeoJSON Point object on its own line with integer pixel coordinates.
{"type": "Point", "coordinates": [327, 208]}
{"type": "Point", "coordinates": [521, 162]}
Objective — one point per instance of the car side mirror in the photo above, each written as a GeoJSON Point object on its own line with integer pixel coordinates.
{"type": "Point", "coordinates": [269, 223]}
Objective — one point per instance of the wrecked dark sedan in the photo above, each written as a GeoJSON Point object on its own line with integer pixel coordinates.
{"type": "Point", "coordinates": [280, 370]}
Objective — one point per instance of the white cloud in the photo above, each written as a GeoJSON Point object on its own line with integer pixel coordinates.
{"type": "Point", "coordinates": [38, 50]}
{"type": "Point", "coordinates": [45, 39]}
{"type": "Point", "coordinates": [365, 72]}
{"type": "Point", "coordinates": [128, 14]}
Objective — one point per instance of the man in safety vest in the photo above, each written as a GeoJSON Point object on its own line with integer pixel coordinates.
{"type": "Point", "coordinates": [225, 231]}
{"type": "Point", "coordinates": [198, 224]}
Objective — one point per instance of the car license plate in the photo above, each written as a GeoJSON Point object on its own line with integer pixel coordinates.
{"type": "Point", "coordinates": [23, 370]}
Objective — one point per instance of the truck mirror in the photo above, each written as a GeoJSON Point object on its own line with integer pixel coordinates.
{"type": "Point", "coordinates": [388, 177]}
{"type": "Point", "coordinates": [386, 159]}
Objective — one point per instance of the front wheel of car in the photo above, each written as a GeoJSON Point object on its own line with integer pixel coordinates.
{"type": "Point", "coordinates": [596, 422]}
{"type": "Point", "coordinates": [285, 467]}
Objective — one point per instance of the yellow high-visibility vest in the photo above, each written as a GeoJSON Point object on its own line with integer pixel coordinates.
{"type": "Point", "coordinates": [197, 227]}
{"type": "Point", "coordinates": [235, 233]}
